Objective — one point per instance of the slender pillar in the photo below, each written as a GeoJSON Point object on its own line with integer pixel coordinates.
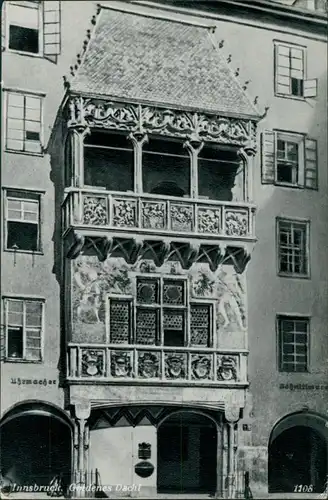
{"type": "Point", "coordinates": [232, 411]}
{"type": "Point", "coordinates": [138, 141]}
{"type": "Point", "coordinates": [231, 462]}
{"type": "Point", "coordinates": [75, 138]}
{"type": "Point", "coordinates": [193, 148]}
{"type": "Point", "coordinates": [82, 413]}
{"type": "Point", "coordinates": [247, 158]}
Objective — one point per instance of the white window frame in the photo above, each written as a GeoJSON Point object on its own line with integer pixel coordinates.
{"type": "Point", "coordinates": [189, 301]}
{"type": "Point", "coordinates": [25, 197]}
{"type": "Point", "coordinates": [24, 299]}
{"type": "Point", "coordinates": [25, 93]}
{"type": "Point", "coordinates": [280, 344]}
{"type": "Point", "coordinates": [309, 85]}
{"type": "Point", "coordinates": [40, 29]}
{"type": "Point", "coordinates": [306, 256]}
{"type": "Point", "coordinates": [298, 139]}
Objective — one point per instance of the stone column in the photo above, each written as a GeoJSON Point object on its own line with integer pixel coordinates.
{"type": "Point", "coordinates": [82, 413]}
{"type": "Point", "coordinates": [247, 157]}
{"type": "Point", "coordinates": [231, 412]}
{"type": "Point", "coordinates": [138, 141]}
{"type": "Point", "coordinates": [75, 139]}
{"type": "Point", "coordinates": [193, 148]}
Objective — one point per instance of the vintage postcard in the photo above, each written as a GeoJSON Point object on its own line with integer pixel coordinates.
{"type": "Point", "coordinates": [164, 249]}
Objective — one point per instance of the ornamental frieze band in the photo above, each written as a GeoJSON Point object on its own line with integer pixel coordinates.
{"type": "Point", "coordinates": [142, 119]}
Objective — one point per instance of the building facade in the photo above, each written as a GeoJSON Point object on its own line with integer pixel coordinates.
{"type": "Point", "coordinates": [164, 282]}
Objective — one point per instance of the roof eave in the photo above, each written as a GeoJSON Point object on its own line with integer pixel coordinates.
{"type": "Point", "coordinates": [144, 102]}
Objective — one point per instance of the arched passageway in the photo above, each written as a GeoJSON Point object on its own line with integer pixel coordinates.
{"type": "Point", "coordinates": [187, 454]}
{"type": "Point", "coordinates": [298, 456]}
{"type": "Point", "coordinates": [35, 446]}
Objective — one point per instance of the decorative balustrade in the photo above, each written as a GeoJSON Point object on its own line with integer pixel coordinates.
{"type": "Point", "coordinates": [98, 209]}
{"type": "Point", "coordinates": [99, 362]}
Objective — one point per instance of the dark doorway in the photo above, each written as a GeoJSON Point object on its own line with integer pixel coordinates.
{"type": "Point", "coordinates": [187, 454]}
{"type": "Point", "coordinates": [297, 461]}
{"type": "Point", "coordinates": [34, 449]}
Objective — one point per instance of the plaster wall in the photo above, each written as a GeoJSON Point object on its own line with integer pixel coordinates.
{"type": "Point", "coordinates": [114, 452]}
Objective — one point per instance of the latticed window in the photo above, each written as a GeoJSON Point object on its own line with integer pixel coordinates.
{"type": "Point", "coordinates": [120, 321]}
{"type": "Point", "coordinates": [293, 343]}
{"type": "Point", "coordinates": [292, 247]}
{"type": "Point", "coordinates": [162, 313]}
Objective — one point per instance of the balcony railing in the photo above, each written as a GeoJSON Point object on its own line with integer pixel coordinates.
{"type": "Point", "coordinates": [147, 214]}
{"type": "Point", "coordinates": [153, 364]}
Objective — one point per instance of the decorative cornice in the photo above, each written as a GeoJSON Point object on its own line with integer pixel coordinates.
{"type": "Point", "coordinates": [143, 119]}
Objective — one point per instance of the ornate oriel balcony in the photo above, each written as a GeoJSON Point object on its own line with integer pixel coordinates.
{"type": "Point", "coordinates": [155, 364]}
{"type": "Point", "coordinates": [143, 178]}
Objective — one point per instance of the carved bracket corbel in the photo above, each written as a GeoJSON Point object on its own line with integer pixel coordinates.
{"type": "Point", "coordinates": [135, 251]}
{"type": "Point", "coordinates": [217, 256]}
{"type": "Point", "coordinates": [162, 253]}
{"type": "Point", "coordinates": [75, 243]}
{"type": "Point", "coordinates": [240, 257]}
{"type": "Point", "coordinates": [232, 413]}
{"type": "Point", "coordinates": [104, 247]}
{"type": "Point", "coordinates": [191, 255]}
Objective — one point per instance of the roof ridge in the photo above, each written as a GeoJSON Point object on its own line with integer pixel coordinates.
{"type": "Point", "coordinates": [163, 14]}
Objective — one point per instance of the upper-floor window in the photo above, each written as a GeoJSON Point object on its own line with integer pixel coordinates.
{"type": "Point", "coordinates": [24, 122]}
{"type": "Point", "coordinates": [293, 340]}
{"type": "Point", "coordinates": [293, 247]}
{"type": "Point", "coordinates": [290, 72]}
{"type": "Point", "coordinates": [24, 329]}
{"type": "Point", "coordinates": [22, 217]}
{"type": "Point", "coordinates": [161, 314]}
{"type": "Point", "coordinates": [31, 27]}
{"type": "Point", "coordinates": [289, 159]}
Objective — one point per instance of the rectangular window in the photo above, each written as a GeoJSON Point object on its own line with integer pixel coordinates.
{"type": "Point", "coordinates": [162, 314]}
{"type": "Point", "coordinates": [31, 27]}
{"type": "Point", "coordinates": [22, 221]}
{"type": "Point", "coordinates": [293, 258]}
{"type": "Point", "coordinates": [24, 119]}
{"type": "Point", "coordinates": [289, 159]}
{"type": "Point", "coordinates": [24, 324]}
{"type": "Point", "coordinates": [293, 343]}
{"type": "Point", "coordinates": [24, 26]}
{"type": "Point", "coordinates": [166, 168]}
{"type": "Point", "coordinates": [290, 79]}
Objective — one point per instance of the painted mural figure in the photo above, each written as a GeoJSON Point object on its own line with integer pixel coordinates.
{"type": "Point", "coordinates": [86, 278]}
{"type": "Point", "coordinates": [230, 303]}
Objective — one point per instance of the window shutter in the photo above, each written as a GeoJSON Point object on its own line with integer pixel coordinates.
{"type": "Point", "coordinates": [282, 70]}
{"type": "Point", "coordinates": [311, 164]}
{"type": "Point", "coordinates": [268, 156]}
{"type": "Point", "coordinates": [3, 26]}
{"type": "Point", "coordinates": [51, 28]}
{"type": "Point", "coordinates": [310, 88]}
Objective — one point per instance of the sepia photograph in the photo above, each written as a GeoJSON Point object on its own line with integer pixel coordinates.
{"type": "Point", "coordinates": [164, 249]}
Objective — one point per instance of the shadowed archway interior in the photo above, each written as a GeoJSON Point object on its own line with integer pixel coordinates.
{"type": "Point", "coordinates": [297, 461]}
{"type": "Point", "coordinates": [187, 454]}
{"type": "Point", "coordinates": [34, 449]}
